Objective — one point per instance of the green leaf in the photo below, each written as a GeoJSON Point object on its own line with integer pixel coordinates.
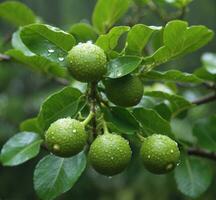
{"type": "Point", "coordinates": [61, 104]}
{"type": "Point", "coordinates": [122, 119]}
{"type": "Point", "coordinates": [209, 62]}
{"type": "Point", "coordinates": [106, 13]}
{"type": "Point", "coordinates": [109, 41]}
{"type": "Point", "coordinates": [163, 110]}
{"type": "Point", "coordinates": [152, 122]}
{"type": "Point", "coordinates": [20, 148]}
{"type": "Point", "coordinates": [204, 130]}
{"type": "Point", "coordinates": [54, 175]}
{"type": "Point", "coordinates": [193, 177]}
{"type": "Point", "coordinates": [31, 125]}
{"type": "Point", "coordinates": [137, 39]}
{"type": "Point", "coordinates": [83, 32]}
{"type": "Point", "coordinates": [47, 41]}
{"type": "Point", "coordinates": [17, 13]}
{"type": "Point", "coordinates": [122, 66]}
{"type": "Point", "coordinates": [173, 75]}
{"type": "Point", "coordinates": [177, 103]}
{"type": "Point", "coordinates": [178, 40]}
{"type": "Point", "coordinates": [38, 63]}
{"type": "Point", "coordinates": [205, 75]}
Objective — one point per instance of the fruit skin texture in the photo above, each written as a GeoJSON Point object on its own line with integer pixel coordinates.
{"type": "Point", "coordinates": [66, 137]}
{"type": "Point", "coordinates": [87, 62]}
{"type": "Point", "coordinates": [110, 154]}
{"type": "Point", "coordinates": [125, 91]}
{"type": "Point", "coordinates": [159, 154]}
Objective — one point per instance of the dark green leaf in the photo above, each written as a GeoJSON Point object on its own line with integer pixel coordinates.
{"type": "Point", "coordinates": [193, 177]}
{"type": "Point", "coordinates": [137, 38]}
{"type": "Point", "coordinates": [122, 66]}
{"type": "Point", "coordinates": [204, 74]}
{"type": "Point", "coordinates": [164, 111]}
{"type": "Point", "coordinates": [61, 104]}
{"type": "Point", "coordinates": [17, 13]}
{"type": "Point", "coordinates": [38, 63]}
{"type": "Point", "coordinates": [83, 32]}
{"type": "Point", "coordinates": [173, 75]}
{"type": "Point", "coordinates": [54, 175]}
{"type": "Point", "coordinates": [205, 132]}
{"type": "Point", "coordinates": [152, 122]}
{"type": "Point", "coordinates": [47, 41]}
{"type": "Point", "coordinates": [109, 41]}
{"type": "Point", "coordinates": [20, 148]}
{"type": "Point", "coordinates": [31, 125]}
{"type": "Point", "coordinates": [122, 119]}
{"type": "Point", "coordinates": [178, 40]}
{"type": "Point", "coordinates": [177, 103]}
{"type": "Point", "coordinates": [106, 13]}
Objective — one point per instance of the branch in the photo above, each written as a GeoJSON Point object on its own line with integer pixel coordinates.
{"type": "Point", "coordinates": [206, 99]}
{"type": "Point", "coordinates": [4, 57]}
{"type": "Point", "coordinates": [92, 99]}
{"type": "Point", "coordinates": [202, 153]}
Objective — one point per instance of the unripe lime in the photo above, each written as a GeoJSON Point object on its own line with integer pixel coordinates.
{"type": "Point", "coordinates": [159, 154]}
{"type": "Point", "coordinates": [66, 137]}
{"type": "Point", "coordinates": [87, 62]}
{"type": "Point", "coordinates": [110, 154]}
{"type": "Point", "coordinates": [125, 91]}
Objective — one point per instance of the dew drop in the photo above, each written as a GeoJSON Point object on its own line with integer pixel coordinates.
{"type": "Point", "coordinates": [172, 151]}
{"type": "Point", "coordinates": [169, 166]}
{"type": "Point", "coordinates": [112, 158]}
{"type": "Point", "coordinates": [60, 58]}
{"type": "Point", "coordinates": [51, 50]}
{"type": "Point", "coordinates": [149, 156]}
{"type": "Point", "coordinates": [89, 42]}
{"type": "Point", "coordinates": [74, 130]}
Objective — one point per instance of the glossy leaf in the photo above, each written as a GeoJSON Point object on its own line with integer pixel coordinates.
{"type": "Point", "coordinates": [47, 41]}
{"type": "Point", "coordinates": [137, 39]}
{"type": "Point", "coordinates": [61, 104]}
{"type": "Point", "coordinates": [193, 177]}
{"type": "Point", "coordinates": [204, 130]}
{"type": "Point", "coordinates": [152, 122]}
{"type": "Point", "coordinates": [83, 32]}
{"type": "Point", "coordinates": [54, 175]}
{"type": "Point", "coordinates": [122, 119]}
{"type": "Point", "coordinates": [178, 40]}
{"type": "Point", "coordinates": [109, 41]}
{"type": "Point", "coordinates": [38, 63]}
{"type": "Point", "coordinates": [20, 148]}
{"type": "Point", "coordinates": [106, 13]}
{"type": "Point", "coordinates": [173, 75]}
{"type": "Point", "coordinates": [122, 66]}
{"type": "Point", "coordinates": [177, 103]}
{"type": "Point", "coordinates": [17, 13]}
{"type": "Point", "coordinates": [204, 74]}
{"type": "Point", "coordinates": [31, 125]}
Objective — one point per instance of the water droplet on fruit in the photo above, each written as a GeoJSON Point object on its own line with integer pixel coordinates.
{"type": "Point", "coordinates": [172, 151]}
{"type": "Point", "coordinates": [89, 42]}
{"type": "Point", "coordinates": [149, 156]}
{"type": "Point", "coordinates": [51, 50]}
{"type": "Point", "coordinates": [74, 130]}
{"type": "Point", "coordinates": [112, 158]}
{"type": "Point", "coordinates": [169, 166]}
{"type": "Point", "coordinates": [56, 147]}
{"type": "Point", "coordinates": [61, 59]}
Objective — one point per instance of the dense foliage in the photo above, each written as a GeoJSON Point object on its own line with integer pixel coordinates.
{"type": "Point", "coordinates": [114, 101]}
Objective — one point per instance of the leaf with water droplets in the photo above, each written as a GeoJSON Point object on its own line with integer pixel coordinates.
{"type": "Point", "coordinates": [122, 66]}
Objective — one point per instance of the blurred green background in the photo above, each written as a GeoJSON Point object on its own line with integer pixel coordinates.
{"type": "Point", "coordinates": [22, 91]}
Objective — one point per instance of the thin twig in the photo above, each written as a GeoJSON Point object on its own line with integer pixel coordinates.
{"type": "Point", "coordinates": [202, 153]}
{"type": "Point", "coordinates": [206, 99]}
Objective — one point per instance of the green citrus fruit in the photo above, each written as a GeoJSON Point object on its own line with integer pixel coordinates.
{"type": "Point", "coordinates": [110, 154]}
{"type": "Point", "coordinates": [87, 62]}
{"type": "Point", "coordinates": [66, 137]}
{"type": "Point", "coordinates": [125, 91]}
{"type": "Point", "coordinates": [159, 154]}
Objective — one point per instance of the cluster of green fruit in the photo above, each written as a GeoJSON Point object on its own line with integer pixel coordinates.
{"type": "Point", "coordinates": [109, 154]}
